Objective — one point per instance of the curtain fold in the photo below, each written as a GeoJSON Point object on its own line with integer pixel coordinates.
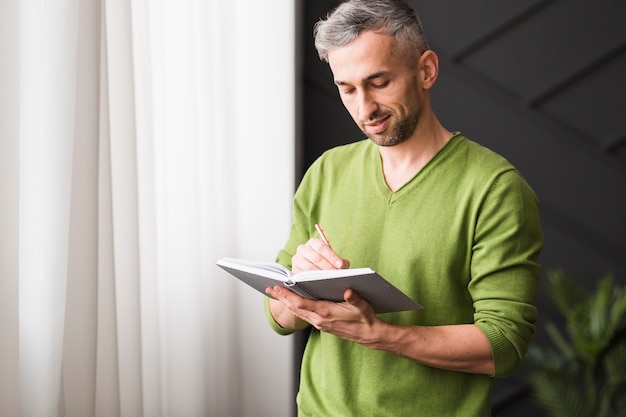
{"type": "Point", "coordinates": [80, 315]}
{"type": "Point", "coordinates": [9, 207]}
{"type": "Point", "coordinates": [128, 165]}
{"type": "Point", "coordinates": [47, 110]}
{"type": "Point", "coordinates": [117, 68]}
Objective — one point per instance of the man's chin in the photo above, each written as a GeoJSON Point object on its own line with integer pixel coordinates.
{"type": "Point", "coordinates": [382, 140]}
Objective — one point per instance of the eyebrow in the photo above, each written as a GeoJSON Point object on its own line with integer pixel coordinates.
{"type": "Point", "coordinates": [368, 78]}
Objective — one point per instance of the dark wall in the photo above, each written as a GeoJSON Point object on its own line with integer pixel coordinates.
{"type": "Point", "coordinates": [541, 82]}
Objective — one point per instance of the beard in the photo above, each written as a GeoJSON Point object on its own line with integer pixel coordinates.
{"type": "Point", "coordinates": [400, 131]}
{"type": "Point", "coordinates": [405, 125]}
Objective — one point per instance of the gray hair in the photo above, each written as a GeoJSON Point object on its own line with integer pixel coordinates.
{"type": "Point", "coordinates": [392, 17]}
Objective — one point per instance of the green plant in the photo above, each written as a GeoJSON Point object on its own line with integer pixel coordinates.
{"type": "Point", "coordinates": [584, 373]}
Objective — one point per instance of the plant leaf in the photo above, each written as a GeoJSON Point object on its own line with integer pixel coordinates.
{"type": "Point", "coordinates": [614, 363]}
{"type": "Point", "coordinates": [560, 397]}
{"type": "Point", "coordinates": [563, 291]}
{"type": "Point", "coordinates": [552, 361]}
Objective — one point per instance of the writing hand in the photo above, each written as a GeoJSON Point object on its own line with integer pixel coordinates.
{"type": "Point", "coordinates": [315, 254]}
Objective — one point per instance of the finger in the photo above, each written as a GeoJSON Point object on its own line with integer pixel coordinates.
{"type": "Point", "coordinates": [301, 307]}
{"type": "Point", "coordinates": [290, 298]}
{"type": "Point", "coordinates": [280, 293]}
{"type": "Point", "coordinates": [354, 299]}
{"type": "Point", "coordinates": [329, 255]}
{"type": "Point", "coordinates": [320, 254]}
{"type": "Point", "coordinates": [315, 255]}
{"type": "Point", "coordinates": [351, 297]}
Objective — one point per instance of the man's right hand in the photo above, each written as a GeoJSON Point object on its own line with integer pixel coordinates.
{"type": "Point", "coordinates": [314, 255]}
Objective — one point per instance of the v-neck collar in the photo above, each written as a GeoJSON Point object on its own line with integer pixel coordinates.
{"type": "Point", "coordinates": [416, 179]}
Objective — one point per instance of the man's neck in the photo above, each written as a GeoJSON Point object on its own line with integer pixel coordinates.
{"type": "Point", "coordinates": [403, 161]}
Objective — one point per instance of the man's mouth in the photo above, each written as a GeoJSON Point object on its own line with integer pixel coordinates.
{"type": "Point", "coordinates": [378, 125]}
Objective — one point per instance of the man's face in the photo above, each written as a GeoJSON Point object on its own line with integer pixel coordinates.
{"type": "Point", "coordinates": [379, 89]}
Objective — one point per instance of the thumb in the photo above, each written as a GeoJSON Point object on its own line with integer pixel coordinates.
{"type": "Point", "coordinates": [351, 297]}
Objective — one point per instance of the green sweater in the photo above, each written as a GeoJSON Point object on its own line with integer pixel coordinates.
{"type": "Point", "coordinates": [461, 237]}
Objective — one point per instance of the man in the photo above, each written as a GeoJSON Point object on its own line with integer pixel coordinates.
{"type": "Point", "coordinates": [449, 222]}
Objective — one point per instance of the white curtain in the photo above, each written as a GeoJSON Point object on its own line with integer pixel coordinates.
{"type": "Point", "coordinates": [140, 141]}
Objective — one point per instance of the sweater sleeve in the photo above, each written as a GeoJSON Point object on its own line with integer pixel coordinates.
{"type": "Point", "coordinates": [297, 235]}
{"type": "Point", "coordinates": [505, 271]}
{"type": "Point", "coordinates": [272, 322]}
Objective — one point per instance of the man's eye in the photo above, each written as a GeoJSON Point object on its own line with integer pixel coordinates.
{"type": "Point", "coordinates": [348, 92]}
{"type": "Point", "coordinates": [381, 85]}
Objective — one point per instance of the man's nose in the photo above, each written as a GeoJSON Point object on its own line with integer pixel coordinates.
{"type": "Point", "coordinates": [366, 106]}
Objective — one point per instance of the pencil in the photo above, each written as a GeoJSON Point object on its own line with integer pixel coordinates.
{"type": "Point", "coordinates": [322, 234]}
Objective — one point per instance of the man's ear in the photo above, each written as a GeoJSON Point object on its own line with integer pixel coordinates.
{"type": "Point", "coordinates": [429, 69]}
